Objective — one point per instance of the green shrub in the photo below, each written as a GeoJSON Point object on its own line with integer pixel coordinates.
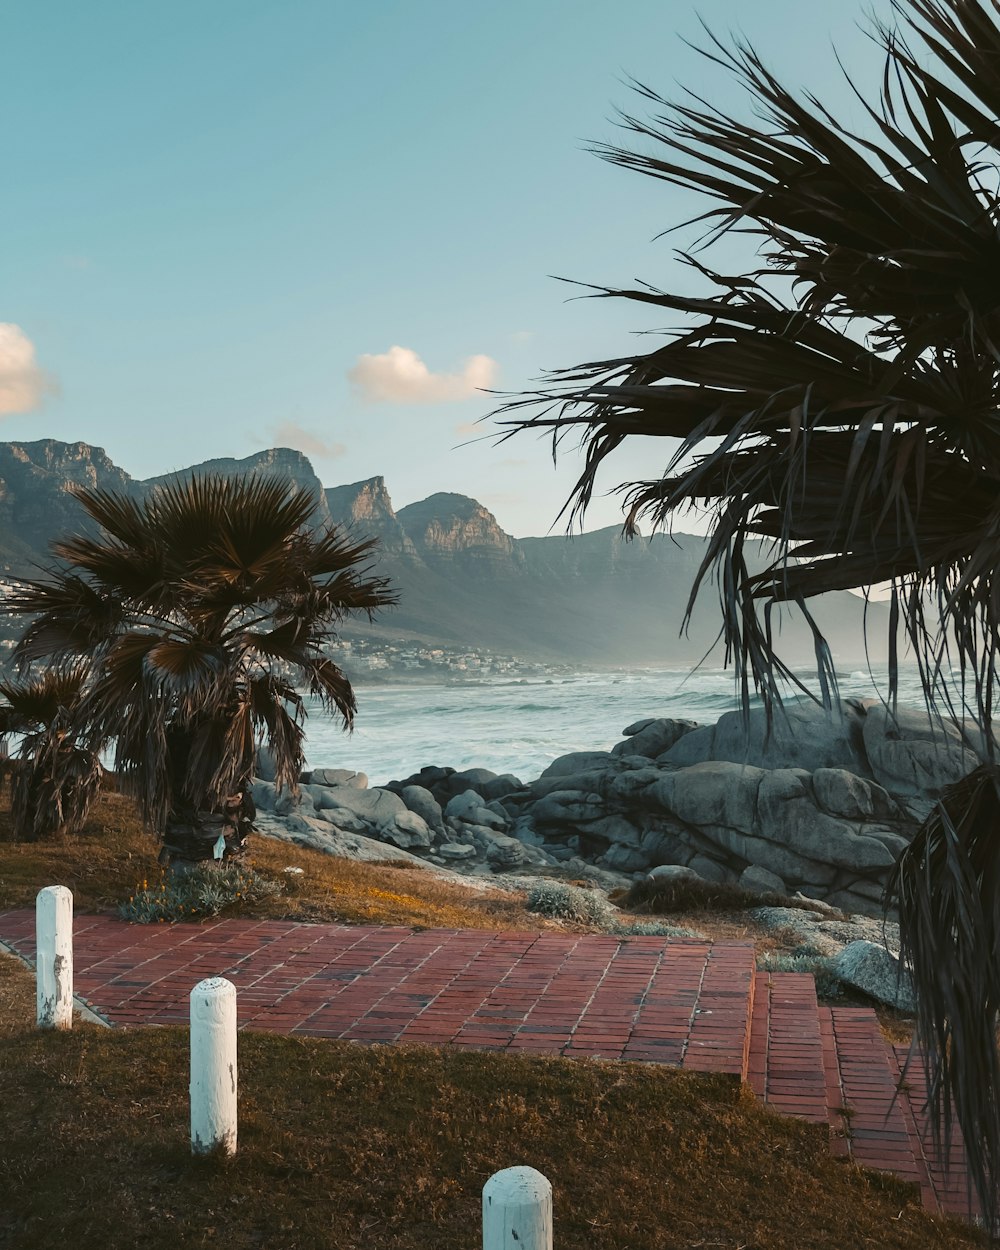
{"type": "Point", "coordinates": [569, 902]}
{"type": "Point", "coordinates": [805, 958]}
{"type": "Point", "coordinates": [652, 928]}
{"type": "Point", "coordinates": [199, 892]}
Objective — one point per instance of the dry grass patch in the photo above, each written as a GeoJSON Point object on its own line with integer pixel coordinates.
{"type": "Point", "coordinates": [387, 1148]}
{"type": "Point", "coordinates": [114, 853]}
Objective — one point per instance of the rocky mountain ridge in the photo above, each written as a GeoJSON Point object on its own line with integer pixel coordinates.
{"type": "Point", "coordinates": [590, 599]}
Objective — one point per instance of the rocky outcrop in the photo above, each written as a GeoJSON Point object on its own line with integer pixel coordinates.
{"type": "Point", "coordinates": [449, 529]}
{"type": "Point", "coordinates": [36, 504]}
{"type": "Point", "coordinates": [817, 803]}
{"type": "Point", "coordinates": [468, 830]}
{"type": "Point", "coordinates": [283, 462]}
{"type": "Point", "coordinates": [366, 509]}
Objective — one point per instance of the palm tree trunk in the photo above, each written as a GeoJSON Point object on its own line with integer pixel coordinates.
{"type": "Point", "coordinates": [205, 837]}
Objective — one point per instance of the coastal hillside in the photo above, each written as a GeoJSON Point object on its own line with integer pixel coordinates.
{"type": "Point", "coordinates": [590, 599]}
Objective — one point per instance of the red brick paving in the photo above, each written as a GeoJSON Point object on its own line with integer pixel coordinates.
{"type": "Point", "coordinates": [678, 1001]}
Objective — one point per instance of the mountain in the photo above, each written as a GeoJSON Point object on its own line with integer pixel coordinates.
{"type": "Point", "coordinates": [588, 599]}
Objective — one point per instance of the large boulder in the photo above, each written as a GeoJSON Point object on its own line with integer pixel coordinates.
{"type": "Point", "coordinates": [711, 793]}
{"type": "Point", "coordinates": [875, 971]}
{"type": "Point", "coordinates": [426, 806]}
{"type": "Point", "coordinates": [802, 734]}
{"type": "Point", "coordinates": [843, 794]}
{"type": "Point", "coordinates": [652, 737]}
{"type": "Point", "coordinates": [913, 754]}
{"type": "Point", "coordinates": [375, 807]}
{"type": "Point", "coordinates": [338, 777]}
{"type": "Point", "coordinates": [470, 808]}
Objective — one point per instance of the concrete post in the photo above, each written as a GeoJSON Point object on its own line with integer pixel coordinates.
{"type": "Point", "coordinates": [213, 1066]}
{"type": "Point", "coordinates": [517, 1211]}
{"type": "Point", "coordinates": [54, 957]}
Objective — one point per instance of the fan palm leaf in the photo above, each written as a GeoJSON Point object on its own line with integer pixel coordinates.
{"type": "Point", "coordinates": [840, 403]}
{"type": "Point", "coordinates": [54, 779]}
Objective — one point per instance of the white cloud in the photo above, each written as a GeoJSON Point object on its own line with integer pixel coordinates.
{"type": "Point", "coordinates": [399, 376]}
{"type": "Point", "coordinates": [22, 382]}
{"type": "Point", "coordinates": [288, 434]}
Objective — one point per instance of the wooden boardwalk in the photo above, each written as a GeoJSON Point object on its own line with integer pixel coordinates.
{"type": "Point", "coordinates": [678, 1001]}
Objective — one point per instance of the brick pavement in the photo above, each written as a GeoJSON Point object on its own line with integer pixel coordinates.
{"type": "Point", "coordinates": [678, 1001]}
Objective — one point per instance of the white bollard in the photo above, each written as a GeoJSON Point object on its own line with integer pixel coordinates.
{"type": "Point", "coordinates": [213, 1066]}
{"type": "Point", "coordinates": [517, 1211]}
{"type": "Point", "coordinates": [54, 957]}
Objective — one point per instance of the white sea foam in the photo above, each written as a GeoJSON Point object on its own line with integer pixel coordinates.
{"type": "Point", "coordinates": [521, 729]}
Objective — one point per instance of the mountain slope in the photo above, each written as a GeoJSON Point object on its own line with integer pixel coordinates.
{"type": "Point", "coordinates": [589, 599]}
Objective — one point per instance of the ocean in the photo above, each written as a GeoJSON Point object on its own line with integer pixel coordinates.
{"type": "Point", "coordinates": [521, 726]}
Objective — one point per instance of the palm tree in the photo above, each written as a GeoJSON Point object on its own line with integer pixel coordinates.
{"type": "Point", "coordinates": [54, 780]}
{"type": "Point", "coordinates": [193, 617]}
{"type": "Point", "coordinates": [841, 403]}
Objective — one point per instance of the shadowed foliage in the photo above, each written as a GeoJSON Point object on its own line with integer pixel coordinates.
{"type": "Point", "coordinates": [840, 402]}
{"type": "Point", "coordinates": [53, 780]}
{"type": "Point", "coordinates": [194, 617]}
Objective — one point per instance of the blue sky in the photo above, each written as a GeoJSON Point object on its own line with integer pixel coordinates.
{"type": "Point", "coordinates": [218, 218]}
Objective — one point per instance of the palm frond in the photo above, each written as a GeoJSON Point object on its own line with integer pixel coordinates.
{"type": "Point", "coordinates": [841, 402]}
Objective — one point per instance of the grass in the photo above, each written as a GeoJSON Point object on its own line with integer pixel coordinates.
{"type": "Point", "coordinates": [387, 1148]}
{"type": "Point", "coordinates": [113, 854]}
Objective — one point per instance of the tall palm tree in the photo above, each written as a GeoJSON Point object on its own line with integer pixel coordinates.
{"type": "Point", "coordinates": [53, 780]}
{"type": "Point", "coordinates": [194, 616]}
{"type": "Point", "coordinates": [841, 402]}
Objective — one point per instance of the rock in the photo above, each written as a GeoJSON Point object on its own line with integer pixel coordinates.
{"type": "Point", "coordinates": [503, 851]}
{"type": "Point", "coordinates": [564, 808]}
{"type": "Point", "coordinates": [263, 795]}
{"type": "Point", "coordinates": [376, 807]}
{"type": "Point", "coordinates": [817, 904]}
{"type": "Point", "coordinates": [890, 838]}
{"type": "Point", "coordinates": [787, 815]}
{"type": "Point", "coordinates": [842, 794]}
{"type": "Point", "coordinates": [596, 781]}
{"type": "Point", "coordinates": [760, 881]}
{"type": "Point", "coordinates": [319, 796]}
{"type": "Point", "coordinates": [500, 787]}
{"type": "Point", "coordinates": [426, 806]}
{"type": "Point", "coordinates": [709, 869]}
{"type": "Point", "coordinates": [580, 762]}
{"type": "Point", "coordinates": [406, 829]}
{"type": "Point", "coordinates": [612, 829]}
{"type": "Point", "coordinates": [265, 768]}
{"type": "Point", "coordinates": [469, 779]}
{"type": "Point", "coordinates": [877, 973]}
{"type": "Point", "coordinates": [654, 738]}
{"type": "Point", "coordinates": [911, 754]}
{"type": "Point", "coordinates": [456, 851]}
{"type": "Point", "coordinates": [621, 858]}
{"type": "Point", "coordinates": [344, 820]}
{"type": "Point", "coordinates": [638, 726]}
{"type": "Point", "coordinates": [286, 802]}
{"type": "Point", "coordinates": [672, 872]}
{"type": "Point", "coordinates": [630, 787]}
{"type": "Point", "coordinates": [712, 793]}
{"type": "Point", "coordinates": [339, 777]}
{"type": "Point", "coordinates": [802, 734]}
{"type": "Point", "coordinates": [469, 807]}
